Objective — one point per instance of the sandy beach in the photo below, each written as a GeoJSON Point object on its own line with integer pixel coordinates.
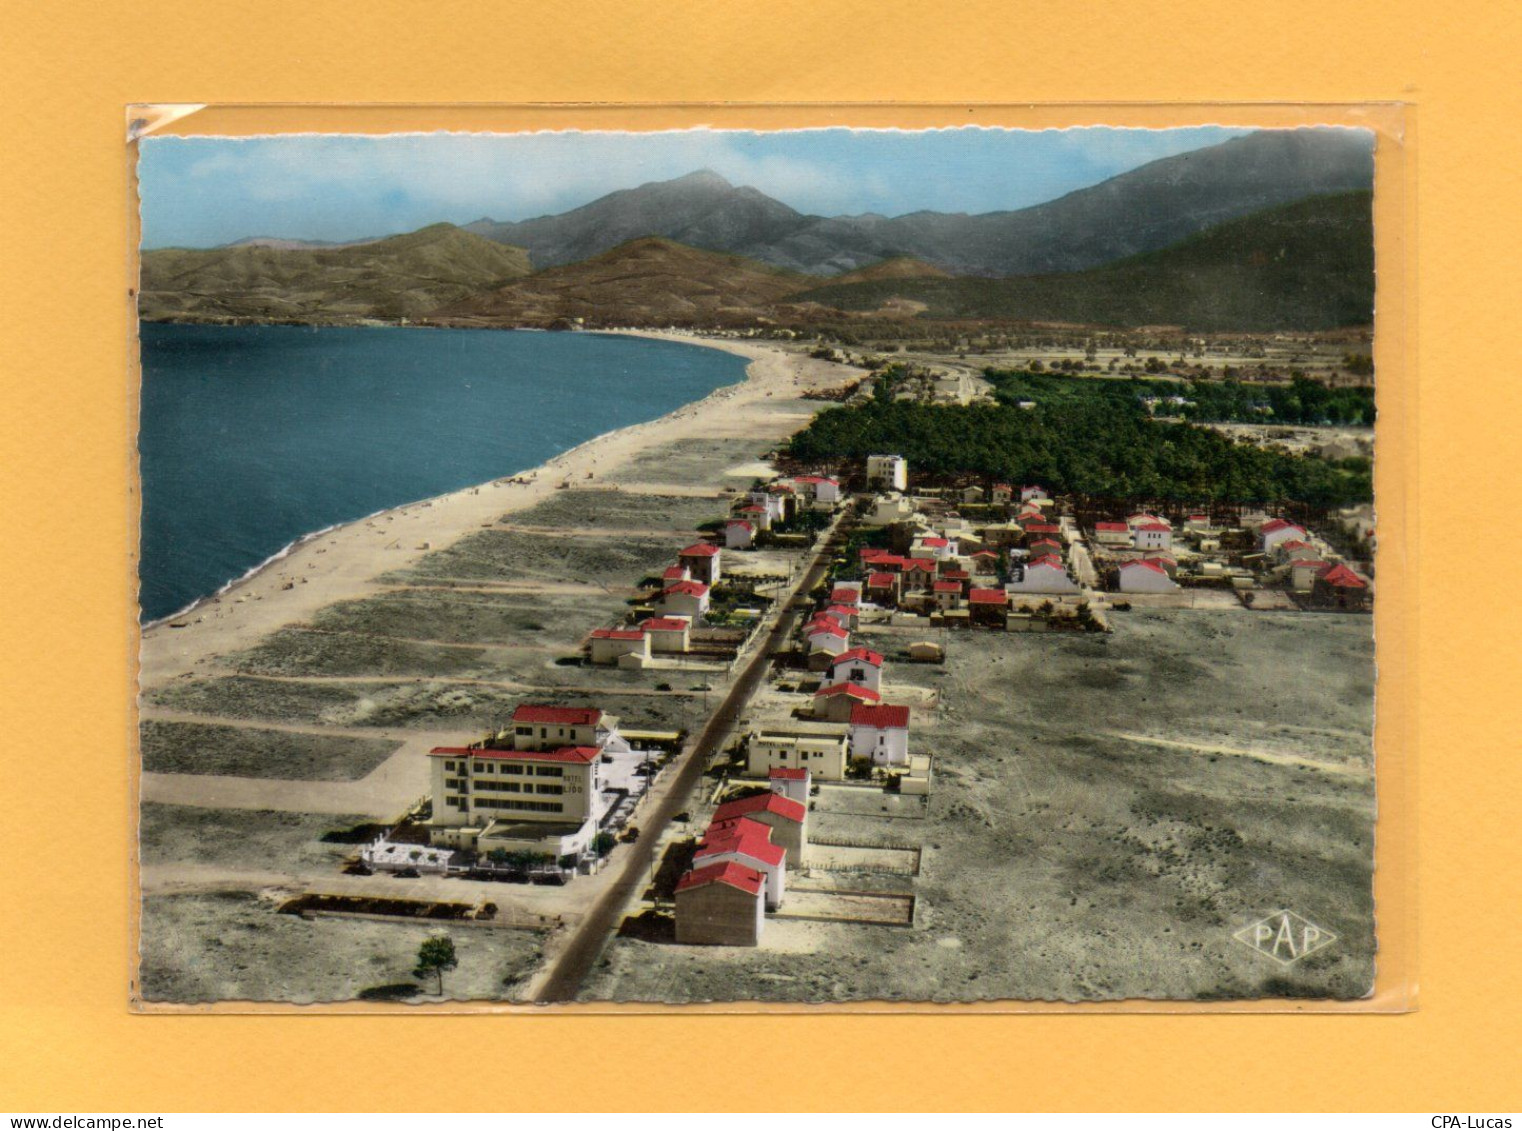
{"type": "Point", "coordinates": [342, 563]}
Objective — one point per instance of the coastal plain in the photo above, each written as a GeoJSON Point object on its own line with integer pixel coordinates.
{"type": "Point", "coordinates": [1107, 810]}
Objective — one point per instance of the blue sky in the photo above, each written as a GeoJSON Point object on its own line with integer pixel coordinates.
{"type": "Point", "coordinates": [199, 192]}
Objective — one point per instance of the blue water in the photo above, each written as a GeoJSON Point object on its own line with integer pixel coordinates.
{"type": "Point", "coordinates": [252, 436]}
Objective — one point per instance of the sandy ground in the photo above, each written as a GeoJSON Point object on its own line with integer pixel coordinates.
{"type": "Point", "coordinates": [343, 564]}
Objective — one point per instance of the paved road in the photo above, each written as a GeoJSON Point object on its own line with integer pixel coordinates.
{"type": "Point", "coordinates": [575, 960]}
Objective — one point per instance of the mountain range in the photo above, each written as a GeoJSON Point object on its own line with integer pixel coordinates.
{"type": "Point", "coordinates": [1147, 208]}
{"type": "Point", "coordinates": [1203, 239]}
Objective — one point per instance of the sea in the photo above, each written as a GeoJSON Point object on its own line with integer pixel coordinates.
{"type": "Point", "coordinates": [253, 437]}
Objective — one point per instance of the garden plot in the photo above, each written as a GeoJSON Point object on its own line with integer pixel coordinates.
{"type": "Point", "coordinates": [196, 748]}
{"type": "Point", "coordinates": [235, 946]}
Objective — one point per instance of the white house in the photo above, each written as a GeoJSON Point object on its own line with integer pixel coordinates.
{"type": "Point", "coordinates": [702, 558]}
{"type": "Point", "coordinates": [888, 472]}
{"type": "Point", "coordinates": [748, 843]}
{"type": "Point", "coordinates": [933, 546]}
{"type": "Point", "coordinates": [685, 599]}
{"type": "Point", "coordinates": [888, 509]}
{"type": "Point", "coordinates": [825, 638]}
{"type": "Point", "coordinates": [836, 701]}
{"type": "Point", "coordinates": [1304, 572]}
{"type": "Point", "coordinates": [668, 634]}
{"type": "Point", "coordinates": [880, 732]}
{"type": "Point", "coordinates": [1277, 530]}
{"type": "Point", "coordinates": [860, 666]}
{"type": "Point", "coordinates": [822, 488]}
{"type": "Point", "coordinates": [758, 515]}
{"type": "Point", "coordinates": [1042, 575]}
{"type": "Point", "coordinates": [611, 645]}
{"type": "Point", "coordinates": [739, 534]}
{"type": "Point", "coordinates": [1152, 536]}
{"type": "Point", "coordinates": [1145, 576]}
{"type": "Point", "coordinates": [791, 782]}
{"type": "Point", "coordinates": [1032, 492]}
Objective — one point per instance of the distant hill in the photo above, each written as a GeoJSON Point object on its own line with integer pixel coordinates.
{"type": "Point", "coordinates": [399, 277]}
{"type": "Point", "coordinates": [643, 282]}
{"type": "Point", "coordinates": [1145, 209]}
{"type": "Point", "coordinates": [899, 267]}
{"type": "Point", "coordinates": [700, 210]}
{"type": "Point", "coordinates": [1303, 266]}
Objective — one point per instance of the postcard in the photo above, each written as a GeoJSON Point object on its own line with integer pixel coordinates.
{"type": "Point", "coordinates": [804, 567]}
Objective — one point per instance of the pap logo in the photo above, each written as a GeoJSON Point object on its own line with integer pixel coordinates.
{"type": "Point", "coordinates": [1285, 937]}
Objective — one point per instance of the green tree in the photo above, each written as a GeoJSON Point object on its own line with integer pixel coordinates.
{"type": "Point", "coordinates": [435, 956]}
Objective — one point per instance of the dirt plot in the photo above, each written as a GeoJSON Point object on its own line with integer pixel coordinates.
{"type": "Point", "coordinates": [851, 907]}
{"type": "Point", "coordinates": [235, 946]}
{"type": "Point", "coordinates": [855, 801]}
{"type": "Point", "coordinates": [692, 460]}
{"type": "Point", "coordinates": [502, 555]}
{"type": "Point", "coordinates": [469, 617]}
{"type": "Point", "coordinates": [1064, 863]}
{"type": "Point", "coordinates": [261, 840]}
{"type": "Point", "coordinates": [194, 748]}
{"type": "Point", "coordinates": [620, 510]}
{"type": "Point", "coordinates": [854, 858]}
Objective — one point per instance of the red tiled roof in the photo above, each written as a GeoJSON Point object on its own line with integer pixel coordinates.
{"type": "Point", "coordinates": [1273, 526]}
{"type": "Point", "coordinates": [699, 550]}
{"type": "Point", "coordinates": [956, 575]}
{"type": "Point", "coordinates": [841, 611]}
{"type": "Point", "coordinates": [753, 508]}
{"type": "Point", "coordinates": [845, 596]}
{"type": "Point", "coordinates": [882, 716]}
{"type": "Point", "coordinates": [1144, 563]}
{"type": "Point", "coordinates": [749, 838]}
{"type": "Point", "coordinates": [665, 624]}
{"type": "Point", "coordinates": [688, 588]}
{"type": "Point", "coordinates": [1003, 487]}
{"type": "Point", "coordinates": [676, 571]}
{"type": "Point", "coordinates": [1343, 578]}
{"type": "Point", "coordinates": [988, 597]}
{"type": "Point", "coordinates": [938, 543]}
{"type": "Point", "coordinates": [1043, 528]}
{"type": "Point", "coordinates": [1050, 561]}
{"type": "Point", "coordinates": [729, 873]}
{"type": "Point", "coordinates": [788, 773]}
{"type": "Point", "coordinates": [1044, 542]}
{"type": "Point", "coordinates": [1112, 527]}
{"type": "Point", "coordinates": [1155, 527]}
{"type": "Point", "coordinates": [985, 554]}
{"type": "Point", "coordinates": [762, 803]}
{"type": "Point", "coordinates": [617, 634]}
{"type": "Point", "coordinates": [854, 690]}
{"type": "Point", "coordinates": [1311, 563]}
{"type": "Point", "coordinates": [863, 655]}
{"type": "Point", "coordinates": [818, 479]}
{"type": "Point", "coordinates": [924, 565]}
{"type": "Point", "coordinates": [1294, 544]}
{"type": "Point", "coordinates": [558, 716]}
{"type": "Point", "coordinates": [880, 581]}
{"type": "Point", "coordinates": [741, 522]}
{"type": "Point", "coordinates": [948, 586]}
{"type": "Point", "coordinates": [818, 627]}
{"type": "Point", "coordinates": [873, 553]}
{"type": "Point", "coordinates": [581, 754]}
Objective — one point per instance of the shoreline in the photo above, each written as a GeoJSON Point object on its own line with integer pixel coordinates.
{"type": "Point", "coordinates": [341, 562]}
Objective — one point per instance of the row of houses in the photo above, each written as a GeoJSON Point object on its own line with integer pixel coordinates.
{"type": "Point", "coordinates": [681, 602]}
{"type": "Point", "coordinates": [739, 869]}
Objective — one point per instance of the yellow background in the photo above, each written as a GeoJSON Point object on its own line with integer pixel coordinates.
{"type": "Point", "coordinates": [67, 1039]}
